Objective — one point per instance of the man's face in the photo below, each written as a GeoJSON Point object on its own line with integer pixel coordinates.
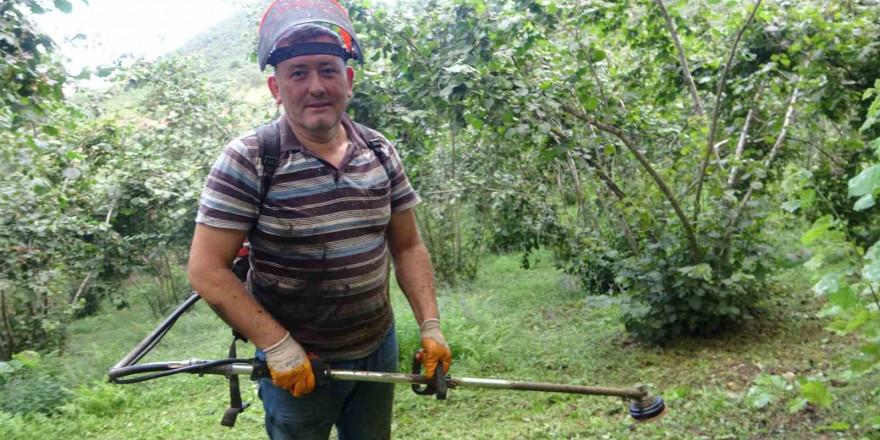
{"type": "Point", "coordinates": [314, 90]}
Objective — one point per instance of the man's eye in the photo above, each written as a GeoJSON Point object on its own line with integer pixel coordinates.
{"type": "Point", "coordinates": [297, 74]}
{"type": "Point", "coordinates": [329, 71]}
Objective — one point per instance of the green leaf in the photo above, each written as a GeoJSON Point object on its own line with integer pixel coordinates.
{"type": "Point", "coordinates": [598, 55]}
{"type": "Point", "coordinates": [821, 226]}
{"type": "Point", "coordinates": [764, 390]}
{"type": "Point", "coordinates": [834, 426]}
{"type": "Point", "coordinates": [845, 298]}
{"type": "Point", "coordinates": [816, 394]}
{"type": "Point", "coordinates": [35, 7]}
{"type": "Point", "coordinates": [865, 182]}
{"type": "Point", "coordinates": [104, 72]}
{"type": "Point", "coordinates": [792, 205]}
{"type": "Point", "coordinates": [871, 271]}
{"type": "Point", "coordinates": [28, 358]}
{"type": "Point", "coordinates": [591, 104]}
{"type": "Point", "coordinates": [64, 6]}
{"type": "Point", "coordinates": [797, 405]}
{"type": "Point", "coordinates": [759, 397]}
{"type": "Point", "coordinates": [84, 74]}
{"type": "Point", "coordinates": [867, 201]}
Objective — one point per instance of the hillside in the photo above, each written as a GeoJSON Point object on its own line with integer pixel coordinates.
{"type": "Point", "coordinates": [226, 50]}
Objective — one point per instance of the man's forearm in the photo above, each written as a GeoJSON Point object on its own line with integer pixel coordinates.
{"type": "Point", "coordinates": [232, 302]}
{"type": "Point", "coordinates": [415, 275]}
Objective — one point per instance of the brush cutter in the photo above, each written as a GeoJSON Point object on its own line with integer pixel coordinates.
{"type": "Point", "coordinates": [643, 406]}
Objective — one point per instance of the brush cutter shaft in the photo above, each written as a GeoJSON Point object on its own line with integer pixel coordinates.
{"type": "Point", "coordinates": [469, 382]}
{"type": "Point", "coordinates": [401, 378]}
{"type": "Point", "coordinates": [542, 386]}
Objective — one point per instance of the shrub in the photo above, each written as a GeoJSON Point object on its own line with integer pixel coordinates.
{"type": "Point", "coordinates": [28, 388]}
{"type": "Point", "coordinates": [671, 297]}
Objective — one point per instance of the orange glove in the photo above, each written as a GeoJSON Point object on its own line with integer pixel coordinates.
{"type": "Point", "coordinates": [435, 349]}
{"type": "Point", "coordinates": [290, 367]}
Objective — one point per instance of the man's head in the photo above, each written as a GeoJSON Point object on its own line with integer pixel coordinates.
{"type": "Point", "coordinates": [311, 79]}
{"type": "Point", "coordinates": [313, 88]}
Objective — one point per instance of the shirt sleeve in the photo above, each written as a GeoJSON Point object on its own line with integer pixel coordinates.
{"type": "Point", "coordinates": [231, 196]}
{"type": "Point", "coordinates": [403, 196]}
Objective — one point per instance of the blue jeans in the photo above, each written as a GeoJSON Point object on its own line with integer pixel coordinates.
{"type": "Point", "coordinates": [360, 410]}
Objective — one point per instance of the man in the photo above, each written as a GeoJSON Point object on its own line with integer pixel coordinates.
{"type": "Point", "coordinates": [319, 240]}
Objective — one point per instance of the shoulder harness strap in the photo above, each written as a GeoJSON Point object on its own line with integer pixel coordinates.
{"type": "Point", "coordinates": [269, 139]}
{"type": "Point", "coordinates": [378, 147]}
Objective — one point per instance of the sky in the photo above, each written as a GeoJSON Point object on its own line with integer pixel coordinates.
{"type": "Point", "coordinates": [112, 28]}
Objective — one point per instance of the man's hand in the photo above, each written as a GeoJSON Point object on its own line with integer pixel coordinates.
{"type": "Point", "coordinates": [435, 349]}
{"type": "Point", "coordinates": [290, 367]}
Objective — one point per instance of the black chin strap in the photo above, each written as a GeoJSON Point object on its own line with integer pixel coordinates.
{"type": "Point", "coordinates": [300, 49]}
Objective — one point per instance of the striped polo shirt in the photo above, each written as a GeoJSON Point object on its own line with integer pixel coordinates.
{"type": "Point", "coordinates": [319, 254]}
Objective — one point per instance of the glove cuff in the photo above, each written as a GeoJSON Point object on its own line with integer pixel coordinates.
{"type": "Point", "coordinates": [285, 355]}
{"type": "Point", "coordinates": [430, 329]}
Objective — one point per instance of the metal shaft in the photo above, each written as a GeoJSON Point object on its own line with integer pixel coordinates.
{"type": "Point", "coordinates": [402, 378]}
{"type": "Point", "coordinates": [546, 387]}
{"type": "Point", "coordinates": [467, 382]}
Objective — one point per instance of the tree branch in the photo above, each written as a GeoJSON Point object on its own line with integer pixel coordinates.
{"type": "Point", "coordinates": [718, 95]}
{"type": "Point", "coordinates": [816, 146]}
{"type": "Point", "coordinates": [789, 115]}
{"type": "Point", "coordinates": [682, 59]}
{"type": "Point", "coordinates": [617, 132]}
{"type": "Point", "coordinates": [596, 169]}
{"type": "Point", "coordinates": [743, 135]}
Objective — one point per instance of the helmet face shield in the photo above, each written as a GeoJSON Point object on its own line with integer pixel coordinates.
{"type": "Point", "coordinates": [282, 15]}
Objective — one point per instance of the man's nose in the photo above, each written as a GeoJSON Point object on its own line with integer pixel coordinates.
{"type": "Point", "coordinates": [316, 86]}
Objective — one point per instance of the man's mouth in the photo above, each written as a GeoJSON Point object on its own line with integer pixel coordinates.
{"type": "Point", "coordinates": [318, 105]}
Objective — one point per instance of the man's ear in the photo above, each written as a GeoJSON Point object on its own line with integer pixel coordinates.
{"type": "Point", "coordinates": [349, 72]}
{"type": "Point", "coordinates": [273, 87]}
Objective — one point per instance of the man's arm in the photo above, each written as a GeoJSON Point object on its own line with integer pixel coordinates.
{"type": "Point", "coordinates": [415, 275]}
{"type": "Point", "coordinates": [210, 258]}
{"type": "Point", "coordinates": [412, 265]}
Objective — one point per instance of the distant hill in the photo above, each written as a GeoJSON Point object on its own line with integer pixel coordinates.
{"type": "Point", "coordinates": [226, 49]}
{"type": "Point", "coordinates": [225, 52]}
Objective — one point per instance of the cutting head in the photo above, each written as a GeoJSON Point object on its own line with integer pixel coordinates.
{"type": "Point", "coordinates": [647, 408]}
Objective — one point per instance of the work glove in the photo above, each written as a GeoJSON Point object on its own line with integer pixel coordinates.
{"type": "Point", "coordinates": [435, 349]}
{"type": "Point", "coordinates": [290, 367]}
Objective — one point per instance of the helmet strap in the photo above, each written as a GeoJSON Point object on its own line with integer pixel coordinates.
{"type": "Point", "coordinates": [295, 50]}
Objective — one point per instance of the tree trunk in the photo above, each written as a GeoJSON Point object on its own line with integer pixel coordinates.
{"type": "Point", "coordinates": [10, 334]}
{"type": "Point", "coordinates": [171, 285]}
{"type": "Point", "coordinates": [85, 282]}
{"type": "Point", "coordinates": [576, 181]}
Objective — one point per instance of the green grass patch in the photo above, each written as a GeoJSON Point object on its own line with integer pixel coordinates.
{"type": "Point", "coordinates": [509, 324]}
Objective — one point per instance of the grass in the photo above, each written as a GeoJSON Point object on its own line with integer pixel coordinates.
{"type": "Point", "coordinates": [510, 324]}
